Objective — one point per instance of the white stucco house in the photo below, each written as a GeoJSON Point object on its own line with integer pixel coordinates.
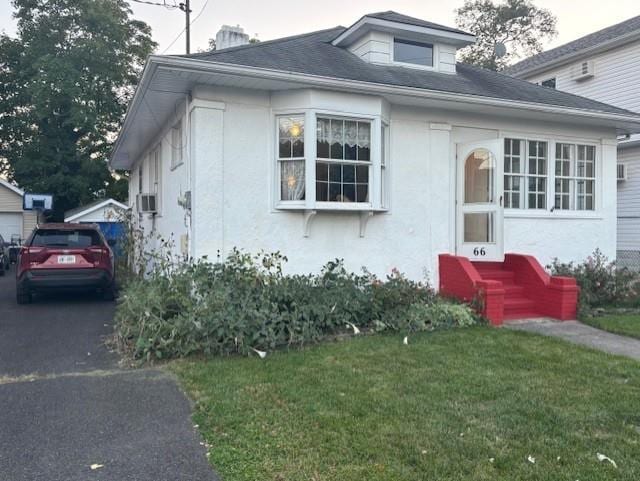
{"type": "Point", "coordinates": [370, 143]}
{"type": "Point", "coordinates": [604, 66]}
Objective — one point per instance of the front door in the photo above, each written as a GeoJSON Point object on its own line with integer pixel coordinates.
{"type": "Point", "coordinates": [479, 225]}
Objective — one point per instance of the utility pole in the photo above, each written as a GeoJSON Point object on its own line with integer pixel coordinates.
{"type": "Point", "coordinates": [187, 28]}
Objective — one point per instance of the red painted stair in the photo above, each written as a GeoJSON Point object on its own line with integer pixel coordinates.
{"type": "Point", "coordinates": [517, 288]}
{"type": "Point", "coordinates": [516, 304]}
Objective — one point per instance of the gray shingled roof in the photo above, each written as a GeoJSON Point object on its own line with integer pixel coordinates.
{"type": "Point", "coordinates": [392, 16]}
{"type": "Point", "coordinates": [314, 54]}
{"type": "Point", "coordinates": [589, 41]}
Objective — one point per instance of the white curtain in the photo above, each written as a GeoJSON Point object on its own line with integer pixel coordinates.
{"type": "Point", "coordinates": [292, 179]}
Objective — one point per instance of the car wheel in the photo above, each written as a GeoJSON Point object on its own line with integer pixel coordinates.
{"type": "Point", "coordinates": [23, 296]}
{"type": "Point", "coordinates": [109, 293]}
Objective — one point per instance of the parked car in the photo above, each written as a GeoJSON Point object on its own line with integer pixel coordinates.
{"type": "Point", "coordinates": [65, 256]}
{"type": "Point", "coordinates": [5, 263]}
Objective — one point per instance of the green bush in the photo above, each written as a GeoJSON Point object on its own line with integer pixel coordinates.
{"type": "Point", "coordinates": [246, 302]}
{"type": "Point", "coordinates": [601, 282]}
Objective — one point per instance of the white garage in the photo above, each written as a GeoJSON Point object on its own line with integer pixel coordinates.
{"type": "Point", "coordinates": [11, 224]}
{"type": "Point", "coordinates": [14, 221]}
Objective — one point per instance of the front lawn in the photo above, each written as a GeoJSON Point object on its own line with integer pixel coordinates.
{"type": "Point", "coordinates": [624, 324]}
{"type": "Point", "coordinates": [453, 405]}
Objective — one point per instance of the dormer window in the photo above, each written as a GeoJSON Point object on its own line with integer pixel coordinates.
{"type": "Point", "coordinates": [416, 53]}
{"type": "Point", "coordinates": [389, 38]}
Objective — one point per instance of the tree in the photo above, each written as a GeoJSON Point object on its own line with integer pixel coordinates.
{"type": "Point", "coordinates": [65, 81]}
{"type": "Point", "coordinates": [517, 24]}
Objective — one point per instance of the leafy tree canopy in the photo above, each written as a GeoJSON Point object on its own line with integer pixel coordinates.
{"type": "Point", "coordinates": [65, 81]}
{"type": "Point", "coordinates": [517, 24]}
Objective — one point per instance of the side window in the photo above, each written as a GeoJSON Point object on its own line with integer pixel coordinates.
{"type": "Point", "coordinates": [575, 177]}
{"type": "Point", "coordinates": [525, 174]}
{"type": "Point", "coordinates": [291, 159]}
{"type": "Point", "coordinates": [177, 150]}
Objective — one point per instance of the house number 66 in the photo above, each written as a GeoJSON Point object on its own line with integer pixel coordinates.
{"type": "Point", "coordinates": [479, 252]}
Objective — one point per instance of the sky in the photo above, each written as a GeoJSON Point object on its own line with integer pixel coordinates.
{"type": "Point", "coordinates": [268, 19]}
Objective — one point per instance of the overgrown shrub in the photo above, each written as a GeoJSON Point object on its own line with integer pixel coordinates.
{"type": "Point", "coordinates": [601, 282]}
{"type": "Point", "coordinates": [246, 302]}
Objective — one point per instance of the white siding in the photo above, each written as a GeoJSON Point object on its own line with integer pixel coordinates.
{"type": "Point", "coordinates": [374, 47]}
{"type": "Point", "coordinates": [629, 201]}
{"type": "Point", "coordinates": [616, 80]}
{"type": "Point", "coordinates": [446, 58]}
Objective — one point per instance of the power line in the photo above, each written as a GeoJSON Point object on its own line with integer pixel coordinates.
{"type": "Point", "coordinates": [185, 28]}
{"type": "Point", "coordinates": [163, 4]}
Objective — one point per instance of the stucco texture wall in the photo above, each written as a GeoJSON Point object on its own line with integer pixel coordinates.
{"type": "Point", "coordinates": [233, 170]}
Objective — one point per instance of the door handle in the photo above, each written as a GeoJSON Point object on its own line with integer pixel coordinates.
{"type": "Point", "coordinates": [500, 201]}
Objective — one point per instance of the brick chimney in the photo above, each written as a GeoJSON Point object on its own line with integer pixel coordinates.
{"type": "Point", "coordinates": [229, 36]}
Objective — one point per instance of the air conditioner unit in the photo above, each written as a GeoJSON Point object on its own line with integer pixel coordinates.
{"type": "Point", "coordinates": [621, 172]}
{"type": "Point", "coordinates": [147, 203]}
{"type": "Point", "coordinates": [582, 70]}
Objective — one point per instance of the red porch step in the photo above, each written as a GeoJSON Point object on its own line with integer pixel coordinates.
{"type": "Point", "coordinates": [517, 288]}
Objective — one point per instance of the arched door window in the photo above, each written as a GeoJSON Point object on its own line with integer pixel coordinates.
{"type": "Point", "coordinates": [479, 177]}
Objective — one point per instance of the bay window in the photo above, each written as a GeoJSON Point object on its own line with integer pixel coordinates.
{"type": "Point", "coordinates": [343, 159]}
{"type": "Point", "coordinates": [291, 157]}
{"type": "Point", "coordinates": [331, 162]}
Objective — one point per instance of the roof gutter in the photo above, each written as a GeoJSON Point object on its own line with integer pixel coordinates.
{"type": "Point", "coordinates": [155, 62]}
{"type": "Point", "coordinates": [577, 55]}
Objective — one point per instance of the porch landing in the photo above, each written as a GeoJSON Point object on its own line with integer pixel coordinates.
{"type": "Point", "coordinates": [517, 288]}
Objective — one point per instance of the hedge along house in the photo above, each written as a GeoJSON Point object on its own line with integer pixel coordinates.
{"type": "Point", "coordinates": [371, 144]}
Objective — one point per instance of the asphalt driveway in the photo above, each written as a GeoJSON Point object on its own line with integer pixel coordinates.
{"type": "Point", "coordinates": [65, 405]}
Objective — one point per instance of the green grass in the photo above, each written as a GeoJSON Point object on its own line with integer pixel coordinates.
{"type": "Point", "coordinates": [625, 324]}
{"type": "Point", "coordinates": [438, 409]}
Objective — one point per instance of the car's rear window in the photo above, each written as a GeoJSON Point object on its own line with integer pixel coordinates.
{"type": "Point", "coordinates": [66, 238]}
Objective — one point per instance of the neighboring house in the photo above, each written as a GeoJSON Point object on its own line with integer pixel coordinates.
{"type": "Point", "coordinates": [109, 214]}
{"type": "Point", "coordinates": [15, 222]}
{"type": "Point", "coordinates": [604, 66]}
{"type": "Point", "coordinates": [371, 144]}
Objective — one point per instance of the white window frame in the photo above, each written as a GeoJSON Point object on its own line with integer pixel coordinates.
{"type": "Point", "coordinates": [574, 179]}
{"type": "Point", "coordinates": [155, 175]}
{"type": "Point", "coordinates": [525, 174]}
{"type": "Point", "coordinates": [310, 203]}
{"type": "Point", "coordinates": [435, 55]}
{"type": "Point", "coordinates": [343, 161]}
{"type": "Point", "coordinates": [280, 160]}
{"type": "Point", "coordinates": [552, 213]}
{"type": "Point", "coordinates": [385, 149]}
{"type": "Point", "coordinates": [177, 145]}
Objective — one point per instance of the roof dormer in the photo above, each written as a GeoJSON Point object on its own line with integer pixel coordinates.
{"type": "Point", "coordinates": [390, 38]}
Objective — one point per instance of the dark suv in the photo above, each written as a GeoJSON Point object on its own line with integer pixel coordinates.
{"type": "Point", "coordinates": [65, 256]}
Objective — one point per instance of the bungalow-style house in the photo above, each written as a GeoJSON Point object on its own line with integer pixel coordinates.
{"type": "Point", "coordinates": [604, 66]}
{"type": "Point", "coordinates": [15, 221]}
{"type": "Point", "coordinates": [370, 143]}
